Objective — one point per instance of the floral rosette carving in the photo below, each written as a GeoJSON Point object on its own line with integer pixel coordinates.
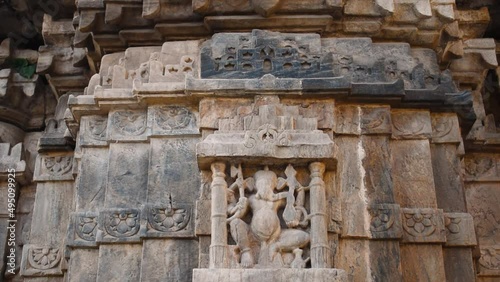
{"type": "Point", "coordinates": [173, 117]}
{"type": "Point", "coordinates": [122, 224]}
{"type": "Point", "coordinates": [58, 165]}
{"type": "Point", "coordinates": [86, 227]}
{"type": "Point", "coordinates": [130, 122]}
{"type": "Point", "coordinates": [382, 220]}
{"type": "Point", "coordinates": [419, 223]}
{"type": "Point", "coordinates": [44, 258]}
{"type": "Point", "coordinates": [168, 219]}
{"type": "Point", "coordinates": [97, 128]}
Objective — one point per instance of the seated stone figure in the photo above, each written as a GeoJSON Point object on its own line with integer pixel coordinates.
{"type": "Point", "coordinates": [264, 235]}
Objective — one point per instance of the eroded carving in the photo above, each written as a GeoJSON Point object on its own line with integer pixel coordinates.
{"type": "Point", "coordinates": [385, 221]}
{"type": "Point", "coordinates": [86, 227]}
{"type": "Point", "coordinates": [173, 117]}
{"type": "Point", "coordinates": [97, 127]}
{"type": "Point", "coordinates": [129, 122]}
{"type": "Point", "coordinates": [490, 258]}
{"type": "Point", "coordinates": [119, 225]}
{"type": "Point", "coordinates": [59, 165]}
{"type": "Point", "coordinates": [459, 229]}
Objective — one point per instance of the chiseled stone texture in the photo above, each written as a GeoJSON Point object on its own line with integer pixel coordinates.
{"type": "Point", "coordinates": [250, 275]}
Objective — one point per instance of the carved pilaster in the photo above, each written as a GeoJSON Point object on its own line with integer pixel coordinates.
{"type": "Point", "coordinates": [218, 246]}
{"type": "Point", "coordinates": [320, 252]}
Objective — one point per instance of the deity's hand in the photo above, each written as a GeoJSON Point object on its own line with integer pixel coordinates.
{"type": "Point", "coordinates": [302, 188]}
{"type": "Point", "coordinates": [242, 203]}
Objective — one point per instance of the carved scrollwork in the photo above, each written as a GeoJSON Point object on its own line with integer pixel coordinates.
{"type": "Point", "coordinates": [122, 223]}
{"type": "Point", "coordinates": [130, 122]}
{"type": "Point", "coordinates": [267, 133]}
{"type": "Point", "coordinates": [59, 165]}
{"type": "Point", "coordinates": [44, 258]}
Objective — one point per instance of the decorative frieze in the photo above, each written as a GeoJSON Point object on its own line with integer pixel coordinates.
{"type": "Point", "coordinates": [173, 120]}
{"type": "Point", "coordinates": [169, 220]}
{"type": "Point", "coordinates": [424, 225]}
{"type": "Point", "coordinates": [83, 228]}
{"type": "Point", "coordinates": [385, 222]}
{"type": "Point", "coordinates": [41, 261]}
{"type": "Point", "coordinates": [93, 131]}
{"type": "Point", "coordinates": [54, 168]}
{"type": "Point", "coordinates": [119, 225]}
{"type": "Point", "coordinates": [459, 229]}
{"type": "Point", "coordinates": [489, 262]}
{"type": "Point", "coordinates": [128, 125]}
{"type": "Point", "coordinates": [411, 124]}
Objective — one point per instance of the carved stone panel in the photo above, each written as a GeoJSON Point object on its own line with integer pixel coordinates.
{"type": "Point", "coordinates": [128, 125]}
{"type": "Point", "coordinates": [173, 120]}
{"type": "Point", "coordinates": [53, 168]}
{"type": "Point", "coordinates": [445, 128]}
{"type": "Point", "coordinates": [165, 221]}
{"type": "Point", "coordinates": [423, 225]}
{"type": "Point", "coordinates": [82, 231]}
{"type": "Point", "coordinates": [481, 167]}
{"type": "Point", "coordinates": [489, 262]}
{"type": "Point", "coordinates": [385, 222]}
{"type": "Point", "coordinates": [411, 124]}
{"type": "Point", "coordinates": [119, 225]}
{"type": "Point", "coordinates": [93, 131]}
{"type": "Point", "coordinates": [376, 120]}
{"type": "Point", "coordinates": [459, 229]}
{"type": "Point", "coordinates": [41, 261]}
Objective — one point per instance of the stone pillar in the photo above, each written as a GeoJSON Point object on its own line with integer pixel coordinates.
{"type": "Point", "coordinates": [320, 251]}
{"type": "Point", "coordinates": [451, 197]}
{"type": "Point", "coordinates": [414, 189]}
{"type": "Point", "coordinates": [218, 246]}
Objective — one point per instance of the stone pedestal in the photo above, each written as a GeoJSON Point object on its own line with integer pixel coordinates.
{"type": "Point", "coordinates": [250, 275]}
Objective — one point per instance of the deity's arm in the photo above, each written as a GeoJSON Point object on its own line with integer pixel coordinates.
{"type": "Point", "coordinates": [279, 196]}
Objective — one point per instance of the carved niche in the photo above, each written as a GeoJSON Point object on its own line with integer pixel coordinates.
{"type": "Point", "coordinates": [271, 212]}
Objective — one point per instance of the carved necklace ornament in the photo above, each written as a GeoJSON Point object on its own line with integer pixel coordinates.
{"type": "Point", "coordinates": [44, 258]}
{"type": "Point", "coordinates": [173, 117]}
{"type": "Point", "coordinates": [58, 165]}
{"type": "Point", "coordinates": [122, 223]}
{"type": "Point", "coordinates": [130, 123]}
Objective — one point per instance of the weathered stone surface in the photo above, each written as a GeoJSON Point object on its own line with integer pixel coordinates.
{"type": "Point", "coordinates": [412, 173]}
{"type": "Point", "coordinates": [168, 260]}
{"type": "Point", "coordinates": [247, 275]}
{"type": "Point", "coordinates": [119, 263]}
{"type": "Point", "coordinates": [83, 265]}
{"type": "Point", "coordinates": [128, 165]}
{"type": "Point", "coordinates": [426, 260]}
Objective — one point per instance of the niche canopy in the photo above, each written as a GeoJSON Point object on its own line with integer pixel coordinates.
{"type": "Point", "coordinates": [276, 134]}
